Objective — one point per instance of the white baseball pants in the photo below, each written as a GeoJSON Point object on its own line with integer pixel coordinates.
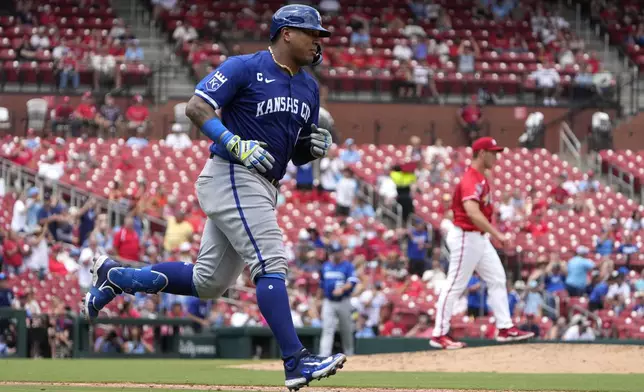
{"type": "Point", "coordinates": [471, 251]}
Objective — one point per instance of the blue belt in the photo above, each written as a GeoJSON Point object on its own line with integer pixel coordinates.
{"type": "Point", "coordinates": [267, 176]}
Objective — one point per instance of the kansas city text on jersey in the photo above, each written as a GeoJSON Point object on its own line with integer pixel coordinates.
{"type": "Point", "coordinates": [283, 104]}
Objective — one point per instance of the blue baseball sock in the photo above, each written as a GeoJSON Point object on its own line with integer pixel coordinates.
{"type": "Point", "coordinates": [273, 302]}
{"type": "Point", "coordinates": [171, 277]}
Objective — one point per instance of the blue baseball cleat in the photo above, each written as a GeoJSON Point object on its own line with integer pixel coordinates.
{"type": "Point", "coordinates": [103, 290]}
{"type": "Point", "coordinates": [303, 367]}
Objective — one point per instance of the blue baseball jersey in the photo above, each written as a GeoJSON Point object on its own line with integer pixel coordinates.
{"type": "Point", "coordinates": [337, 275]}
{"type": "Point", "coordinates": [260, 101]}
{"type": "Point", "coordinates": [415, 244]}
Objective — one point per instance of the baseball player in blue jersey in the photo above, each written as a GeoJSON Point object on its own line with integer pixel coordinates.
{"type": "Point", "coordinates": [337, 281]}
{"type": "Point", "coordinates": [269, 113]}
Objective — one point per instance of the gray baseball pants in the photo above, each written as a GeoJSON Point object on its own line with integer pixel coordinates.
{"type": "Point", "coordinates": [241, 228]}
{"type": "Point", "coordinates": [334, 314]}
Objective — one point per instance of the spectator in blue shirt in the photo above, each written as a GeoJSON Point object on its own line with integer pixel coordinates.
{"type": "Point", "coordinates": [578, 268]}
{"type": "Point", "coordinates": [363, 209]}
{"type": "Point", "coordinates": [502, 8]}
{"type": "Point", "coordinates": [197, 311]}
{"type": "Point", "coordinates": [419, 241]}
{"type": "Point", "coordinates": [315, 237]}
{"type": "Point", "coordinates": [628, 248]}
{"type": "Point", "coordinates": [49, 214]}
{"type": "Point", "coordinates": [133, 52]}
{"type": "Point", "coordinates": [34, 205]}
{"type": "Point", "coordinates": [639, 306]}
{"type": "Point", "coordinates": [531, 325]}
{"type": "Point", "coordinates": [604, 245]}
{"type": "Point", "coordinates": [533, 299]}
{"type": "Point", "coordinates": [419, 47]}
{"type": "Point", "coordinates": [555, 278]}
{"type": "Point", "coordinates": [597, 296]}
{"type": "Point", "coordinates": [361, 38]}
{"type": "Point", "coordinates": [514, 298]}
{"type": "Point", "coordinates": [476, 297]}
{"type": "Point", "coordinates": [362, 331]}
{"type": "Point", "coordinates": [88, 216]}
{"type": "Point", "coordinates": [6, 294]}
{"type": "Point", "coordinates": [350, 154]}
{"type": "Point", "coordinates": [304, 177]}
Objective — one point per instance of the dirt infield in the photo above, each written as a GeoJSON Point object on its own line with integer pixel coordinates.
{"type": "Point", "coordinates": [527, 358]}
{"type": "Point", "coordinates": [530, 358]}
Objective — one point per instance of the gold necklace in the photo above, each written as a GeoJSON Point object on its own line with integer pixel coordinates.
{"type": "Point", "coordinates": [284, 67]}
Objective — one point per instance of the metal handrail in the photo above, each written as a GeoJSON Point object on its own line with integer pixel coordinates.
{"type": "Point", "coordinates": [568, 142]}
{"type": "Point", "coordinates": [24, 175]}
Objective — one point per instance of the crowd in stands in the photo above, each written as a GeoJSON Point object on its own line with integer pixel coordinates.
{"type": "Point", "coordinates": [401, 271]}
{"type": "Point", "coordinates": [70, 42]}
{"type": "Point", "coordinates": [427, 47]}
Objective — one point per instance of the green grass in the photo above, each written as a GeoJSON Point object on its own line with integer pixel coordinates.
{"type": "Point", "coordinates": [213, 372]}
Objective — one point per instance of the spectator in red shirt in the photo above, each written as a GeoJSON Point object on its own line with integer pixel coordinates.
{"type": "Point", "coordinates": [12, 252]}
{"type": "Point", "coordinates": [21, 155]}
{"type": "Point", "coordinates": [126, 241]}
{"type": "Point", "coordinates": [422, 329]}
{"type": "Point", "coordinates": [536, 226]}
{"type": "Point", "coordinates": [84, 114]}
{"type": "Point", "coordinates": [559, 193]}
{"type": "Point", "coordinates": [195, 18]}
{"type": "Point", "coordinates": [594, 62]}
{"type": "Point", "coordinates": [137, 115]}
{"type": "Point", "coordinates": [47, 17]}
{"type": "Point", "coordinates": [55, 266]}
{"type": "Point", "coordinates": [246, 22]}
{"type": "Point", "coordinates": [470, 117]}
{"type": "Point", "coordinates": [393, 327]}
{"type": "Point", "coordinates": [93, 41]}
{"type": "Point", "coordinates": [62, 114]}
{"type": "Point", "coordinates": [199, 59]}
{"type": "Point", "coordinates": [117, 49]}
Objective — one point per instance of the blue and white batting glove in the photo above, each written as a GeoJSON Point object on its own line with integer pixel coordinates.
{"type": "Point", "coordinates": [251, 153]}
{"type": "Point", "coordinates": [321, 141]}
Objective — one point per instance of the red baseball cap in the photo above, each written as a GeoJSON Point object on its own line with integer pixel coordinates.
{"type": "Point", "coordinates": [486, 144]}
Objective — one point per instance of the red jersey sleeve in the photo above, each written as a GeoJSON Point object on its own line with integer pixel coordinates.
{"type": "Point", "coordinates": [470, 190]}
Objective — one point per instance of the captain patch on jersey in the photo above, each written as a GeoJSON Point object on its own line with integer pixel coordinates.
{"type": "Point", "coordinates": [259, 101]}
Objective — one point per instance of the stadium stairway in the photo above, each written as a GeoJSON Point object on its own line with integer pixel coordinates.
{"type": "Point", "coordinates": [174, 78]}
{"type": "Point", "coordinates": [612, 60]}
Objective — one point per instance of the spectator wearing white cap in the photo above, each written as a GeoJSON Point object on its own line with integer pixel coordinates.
{"type": "Point", "coordinates": [579, 329]}
{"type": "Point", "coordinates": [184, 253]}
{"type": "Point", "coordinates": [178, 139]}
{"type": "Point", "coordinates": [578, 267]}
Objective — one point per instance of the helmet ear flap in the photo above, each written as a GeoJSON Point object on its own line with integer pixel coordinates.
{"type": "Point", "coordinates": [317, 60]}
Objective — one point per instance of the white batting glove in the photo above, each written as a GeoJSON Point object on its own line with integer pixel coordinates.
{"type": "Point", "coordinates": [321, 141]}
{"type": "Point", "coordinates": [251, 153]}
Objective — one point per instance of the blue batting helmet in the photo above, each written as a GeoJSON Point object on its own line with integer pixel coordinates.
{"type": "Point", "coordinates": [298, 16]}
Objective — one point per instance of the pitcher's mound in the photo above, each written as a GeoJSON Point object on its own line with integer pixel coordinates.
{"type": "Point", "coordinates": [519, 358]}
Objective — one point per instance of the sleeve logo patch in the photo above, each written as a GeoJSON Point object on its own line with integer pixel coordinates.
{"type": "Point", "coordinates": [217, 80]}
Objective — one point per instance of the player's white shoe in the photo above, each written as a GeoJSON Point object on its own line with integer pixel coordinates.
{"type": "Point", "coordinates": [446, 342]}
{"type": "Point", "coordinates": [513, 334]}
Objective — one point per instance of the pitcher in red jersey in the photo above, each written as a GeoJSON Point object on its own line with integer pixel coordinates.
{"type": "Point", "coordinates": [470, 249]}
